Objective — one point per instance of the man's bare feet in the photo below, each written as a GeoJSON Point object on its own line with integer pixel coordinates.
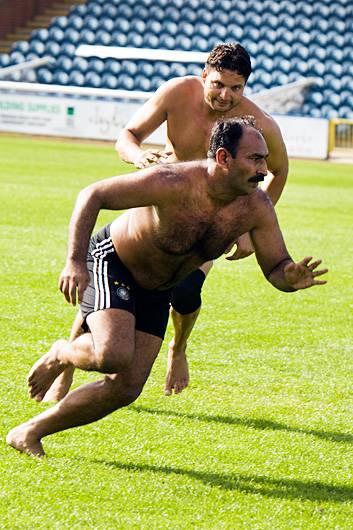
{"type": "Point", "coordinates": [23, 440]}
{"type": "Point", "coordinates": [46, 370]}
{"type": "Point", "coordinates": [177, 377]}
{"type": "Point", "coordinates": [61, 385]}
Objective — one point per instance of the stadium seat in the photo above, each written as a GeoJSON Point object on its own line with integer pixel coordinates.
{"type": "Point", "coordinates": [60, 78]}
{"type": "Point", "coordinates": [109, 81]}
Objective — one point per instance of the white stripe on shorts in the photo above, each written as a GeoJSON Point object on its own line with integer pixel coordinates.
{"type": "Point", "coordinates": [100, 274]}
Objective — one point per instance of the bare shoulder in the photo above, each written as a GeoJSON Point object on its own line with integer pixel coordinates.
{"type": "Point", "coordinates": [180, 87]}
{"type": "Point", "coordinates": [179, 175]}
{"type": "Point", "coordinates": [261, 205]}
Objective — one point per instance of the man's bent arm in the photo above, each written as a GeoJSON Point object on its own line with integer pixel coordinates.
{"type": "Point", "coordinates": [142, 188]}
{"type": "Point", "coordinates": [143, 123]}
{"type": "Point", "coordinates": [273, 257]}
{"type": "Point", "coordinates": [277, 162]}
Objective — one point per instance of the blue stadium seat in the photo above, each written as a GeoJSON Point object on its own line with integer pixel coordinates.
{"type": "Point", "coordinates": [134, 39]}
{"type": "Point", "coordinates": [72, 35]}
{"type": "Point", "coordinates": [60, 78]}
{"type": "Point", "coordinates": [186, 28]}
{"type": "Point", "coordinates": [95, 65]}
{"type": "Point", "coordinates": [92, 79]}
{"type": "Point", "coordinates": [80, 64]}
{"type": "Point", "coordinates": [169, 28]}
{"type": "Point", "coordinates": [37, 47]}
{"type": "Point", "coordinates": [113, 67]}
{"type": "Point", "coordinates": [122, 25]}
{"type": "Point", "coordinates": [145, 69]}
{"type": "Point", "coordinates": [142, 83]}
{"type": "Point", "coordinates": [139, 26]}
{"type": "Point", "coordinates": [150, 40]}
{"type": "Point", "coordinates": [68, 49]}
{"type": "Point", "coordinates": [167, 42]}
{"type": "Point", "coordinates": [172, 13]}
{"type": "Point", "coordinates": [76, 78]}
{"type": "Point", "coordinates": [129, 67]}
{"type": "Point", "coordinates": [56, 34]}
{"type": "Point", "coordinates": [21, 46]}
{"type": "Point", "coordinates": [109, 81]}
{"type": "Point", "coordinates": [202, 29]}
{"type": "Point", "coordinates": [75, 22]}
{"type": "Point", "coordinates": [44, 75]}
{"type": "Point", "coordinates": [162, 69]}
{"type": "Point", "coordinates": [140, 12]}
{"type": "Point", "coordinates": [109, 10]}
{"type": "Point", "coordinates": [153, 26]}
{"type": "Point", "coordinates": [64, 64]}
{"type": "Point", "coordinates": [59, 22]}
{"type": "Point", "coordinates": [106, 24]}
{"type": "Point", "coordinates": [103, 38]}
{"type": "Point", "coordinates": [16, 57]}
{"type": "Point", "coordinates": [80, 10]}
{"type": "Point", "coordinates": [52, 49]}
{"type": "Point", "coordinates": [91, 23]}
{"type": "Point", "coordinates": [4, 60]}
{"type": "Point", "coordinates": [156, 82]}
{"type": "Point", "coordinates": [41, 34]}
{"type": "Point", "coordinates": [177, 70]}
{"type": "Point", "coordinates": [183, 43]}
{"type": "Point", "coordinates": [86, 37]}
{"type": "Point", "coordinates": [199, 44]}
{"type": "Point", "coordinates": [118, 39]}
{"type": "Point", "coordinates": [126, 82]}
{"type": "Point", "coordinates": [188, 14]}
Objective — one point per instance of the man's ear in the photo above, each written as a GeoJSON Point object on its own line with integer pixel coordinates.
{"type": "Point", "coordinates": [204, 74]}
{"type": "Point", "coordinates": [223, 156]}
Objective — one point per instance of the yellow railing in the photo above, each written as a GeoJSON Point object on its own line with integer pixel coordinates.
{"type": "Point", "coordinates": [341, 134]}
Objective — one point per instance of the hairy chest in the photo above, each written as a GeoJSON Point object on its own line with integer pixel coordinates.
{"type": "Point", "coordinates": [203, 234]}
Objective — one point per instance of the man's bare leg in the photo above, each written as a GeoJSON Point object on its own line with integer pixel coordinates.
{"type": "Point", "coordinates": [92, 401]}
{"type": "Point", "coordinates": [177, 377]}
{"type": "Point", "coordinates": [63, 382]}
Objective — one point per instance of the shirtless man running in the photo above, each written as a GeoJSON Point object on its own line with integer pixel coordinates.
{"type": "Point", "coordinates": [191, 105]}
{"type": "Point", "coordinates": [179, 217]}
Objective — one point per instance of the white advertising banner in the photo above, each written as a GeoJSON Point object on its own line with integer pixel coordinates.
{"type": "Point", "coordinates": [304, 137]}
{"type": "Point", "coordinates": [103, 120]}
{"type": "Point", "coordinates": [58, 116]}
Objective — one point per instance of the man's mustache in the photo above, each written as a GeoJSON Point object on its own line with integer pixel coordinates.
{"type": "Point", "coordinates": [257, 178]}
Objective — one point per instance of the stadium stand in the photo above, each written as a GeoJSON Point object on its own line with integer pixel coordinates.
{"type": "Point", "coordinates": [288, 41]}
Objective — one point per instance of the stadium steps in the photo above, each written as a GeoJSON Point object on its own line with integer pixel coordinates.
{"type": "Point", "coordinates": [39, 21]}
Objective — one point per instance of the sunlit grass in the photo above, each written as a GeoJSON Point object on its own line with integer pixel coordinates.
{"type": "Point", "coordinates": [262, 439]}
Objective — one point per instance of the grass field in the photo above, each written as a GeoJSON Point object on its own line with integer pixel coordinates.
{"type": "Point", "coordinates": [262, 438]}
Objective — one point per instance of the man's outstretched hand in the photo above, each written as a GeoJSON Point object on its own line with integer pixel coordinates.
{"type": "Point", "coordinates": [73, 281]}
{"type": "Point", "coordinates": [303, 274]}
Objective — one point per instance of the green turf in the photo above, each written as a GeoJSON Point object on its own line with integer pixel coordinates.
{"type": "Point", "coordinates": [262, 439]}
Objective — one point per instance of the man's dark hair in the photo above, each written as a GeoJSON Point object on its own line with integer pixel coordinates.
{"type": "Point", "coordinates": [227, 134]}
{"type": "Point", "coordinates": [230, 56]}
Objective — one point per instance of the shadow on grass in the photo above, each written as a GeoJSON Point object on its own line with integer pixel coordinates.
{"type": "Point", "coordinates": [260, 424]}
{"type": "Point", "coordinates": [259, 485]}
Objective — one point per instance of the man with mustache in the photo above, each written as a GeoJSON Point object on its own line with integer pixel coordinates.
{"type": "Point", "coordinates": [191, 105]}
{"type": "Point", "coordinates": [178, 217]}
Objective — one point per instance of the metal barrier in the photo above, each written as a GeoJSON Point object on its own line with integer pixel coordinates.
{"type": "Point", "coordinates": [341, 134]}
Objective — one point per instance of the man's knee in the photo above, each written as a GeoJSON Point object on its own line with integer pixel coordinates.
{"type": "Point", "coordinates": [112, 358]}
{"type": "Point", "coordinates": [186, 296]}
{"type": "Point", "coordinates": [122, 392]}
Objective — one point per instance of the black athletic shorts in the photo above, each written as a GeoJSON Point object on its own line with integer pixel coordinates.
{"type": "Point", "coordinates": [112, 286]}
